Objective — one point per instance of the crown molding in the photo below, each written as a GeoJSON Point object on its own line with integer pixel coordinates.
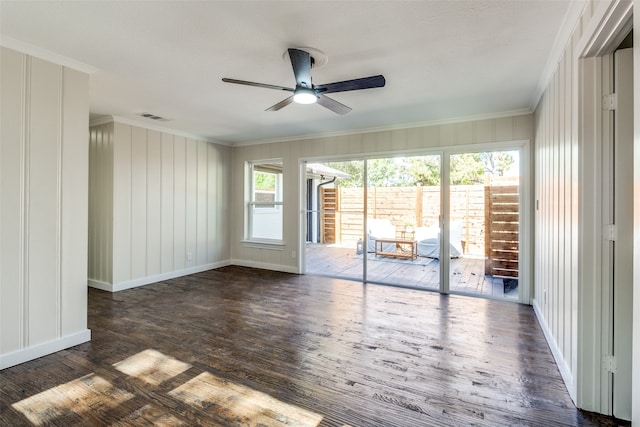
{"type": "Point", "coordinates": [46, 55]}
{"type": "Point", "coordinates": [567, 28]}
{"type": "Point", "coordinates": [143, 124]}
{"type": "Point", "coordinates": [403, 126]}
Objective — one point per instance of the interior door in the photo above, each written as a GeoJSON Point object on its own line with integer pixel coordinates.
{"type": "Point", "coordinates": [623, 244]}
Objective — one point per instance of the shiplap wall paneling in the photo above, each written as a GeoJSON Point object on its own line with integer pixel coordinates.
{"type": "Point", "coordinates": [168, 194]}
{"type": "Point", "coordinates": [180, 203]}
{"type": "Point", "coordinates": [101, 203]}
{"type": "Point", "coordinates": [555, 194]}
{"type": "Point", "coordinates": [154, 193]}
{"type": "Point", "coordinates": [122, 202]}
{"type": "Point", "coordinates": [13, 76]}
{"type": "Point", "coordinates": [138, 203]}
{"type": "Point", "coordinates": [214, 180]}
{"type": "Point", "coordinates": [191, 203]}
{"type": "Point", "coordinates": [44, 207]}
{"type": "Point", "coordinates": [43, 217]}
{"type": "Point", "coordinates": [74, 182]}
{"type": "Point", "coordinates": [167, 235]}
{"type": "Point", "coordinates": [202, 195]}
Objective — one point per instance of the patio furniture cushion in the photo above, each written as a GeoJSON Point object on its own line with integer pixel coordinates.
{"type": "Point", "coordinates": [379, 228]}
{"type": "Point", "coordinates": [429, 240]}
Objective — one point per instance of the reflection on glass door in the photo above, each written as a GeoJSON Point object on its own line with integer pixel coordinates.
{"type": "Point", "coordinates": [403, 210]}
{"type": "Point", "coordinates": [335, 219]}
{"type": "Point", "coordinates": [484, 219]}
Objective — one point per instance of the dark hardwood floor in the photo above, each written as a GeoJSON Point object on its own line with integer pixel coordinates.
{"type": "Point", "coordinates": [244, 347]}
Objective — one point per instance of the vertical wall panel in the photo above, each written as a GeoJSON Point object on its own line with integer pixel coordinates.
{"type": "Point", "coordinates": [12, 181]}
{"type": "Point", "coordinates": [213, 241]}
{"type": "Point", "coordinates": [122, 187]}
{"type": "Point", "coordinates": [168, 194]}
{"type": "Point", "coordinates": [557, 218]}
{"type": "Point", "coordinates": [43, 175]}
{"type": "Point", "coordinates": [100, 202]}
{"type": "Point", "coordinates": [180, 203]}
{"type": "Point", "coordinates": [154, 213]}
{"type": "Point", "coordinates": [74, 199]}
{"type": "Point", "coordinates": [202, 211]}
{"type": "Point", "coordinates": [191, 201]}
{"type": "Point", "coordinates": [138, 203]}
{"type": "Point", "coordinates": [44, 206]}
{"type": "Point", "coordinates": [166, 209]}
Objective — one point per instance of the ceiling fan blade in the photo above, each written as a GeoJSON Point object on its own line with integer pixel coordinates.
{"type": "Point", "coordinates": [266, 86]}
{"type": "Point", "coordinates": [355, 84]}
{"type": "Point", "coordinates": [333, 105]}
{"type": "Point", "coordinates": [301, 63]}
{"type": "Point", "coordinates": [280, 105]}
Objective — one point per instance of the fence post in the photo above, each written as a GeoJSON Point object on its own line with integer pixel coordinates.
{"type": "Point", "coordinates": [488, 268]}
{"type": "Point", "coordinates": [419, 205]}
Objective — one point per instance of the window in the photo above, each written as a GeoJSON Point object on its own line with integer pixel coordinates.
{"type": "Point", "coordinates": [265, 205]}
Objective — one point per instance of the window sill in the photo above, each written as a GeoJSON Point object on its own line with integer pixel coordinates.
{"type": "Point", "coordinates": [275, 245]}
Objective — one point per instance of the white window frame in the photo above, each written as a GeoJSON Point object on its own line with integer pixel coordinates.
{"type": "Point", "coordinates": [265, 207]}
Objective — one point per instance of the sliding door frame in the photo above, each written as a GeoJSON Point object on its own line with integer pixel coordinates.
{"type": "Point", "coordinates": [525, 256]}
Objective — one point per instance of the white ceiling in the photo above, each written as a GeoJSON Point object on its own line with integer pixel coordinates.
{"type": "Point", "coordinates": [442, 59]}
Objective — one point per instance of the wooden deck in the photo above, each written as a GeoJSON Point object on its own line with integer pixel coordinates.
{"type": "Point", "coordinates": [467, 274]}
{"type": "Point", "coordinates": [244, 347]}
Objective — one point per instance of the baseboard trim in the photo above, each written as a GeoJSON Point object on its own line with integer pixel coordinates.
{"type": "Point", "coordinates": [115, 287]}
{"type": "Point", "coordinates": [26, 354]}
{"type": "Point", "coordinates": [264, 266]}
{"type": "Point", "coordinates": [100, 285]}
{"type": "Point", "coordinates": [563, 367]}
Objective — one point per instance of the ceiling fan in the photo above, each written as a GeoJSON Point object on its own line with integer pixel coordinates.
{"type": "Point", "coordinates": [306, 92]}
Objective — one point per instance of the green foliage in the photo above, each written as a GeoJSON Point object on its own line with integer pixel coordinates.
{"type": "Point", "coordinates": [264, 181]}
{"type": "Point", "coordinates": [466, 168]}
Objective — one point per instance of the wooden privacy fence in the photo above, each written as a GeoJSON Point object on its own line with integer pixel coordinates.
{"type": "Point", "coordinates": [502, 224]}
{"type": "Point", "coordinates": [330, 227]}
{"type": "Point", "coordinates": [403, 206]}
{"type": "Point", "coordinates": [343, 215]}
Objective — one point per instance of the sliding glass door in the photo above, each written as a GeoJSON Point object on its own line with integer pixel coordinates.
{"type": "Point", "coordinates": [403, 211]}
{"type": "Point", "coordinates": [484, 223]}
{"type": "Point", "coordinates": [390, 220]}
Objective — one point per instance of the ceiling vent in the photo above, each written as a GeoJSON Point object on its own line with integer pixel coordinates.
{"type": "Point", "coordinates": [153, 117]}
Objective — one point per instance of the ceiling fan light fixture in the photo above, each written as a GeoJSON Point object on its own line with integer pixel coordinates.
{"type": "Point", "coordinates": [303, 95]}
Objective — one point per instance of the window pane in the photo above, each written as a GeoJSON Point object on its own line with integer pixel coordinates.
{"type": "Point", "coordinates": [265, 219]}
{"type": "Point", "coordinates": [267, 222]}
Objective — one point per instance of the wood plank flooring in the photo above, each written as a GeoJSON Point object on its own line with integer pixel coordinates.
{"type": "Point", "coordinates": [245, 347]}
{"type": "Point", "coordinates": [467, 273]}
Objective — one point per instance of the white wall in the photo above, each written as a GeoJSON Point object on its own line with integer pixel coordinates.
{"type": "Point", "coordinates": [43, 209]}
{"type": "Point", "coordinates": [571, 297]}
{"type": "Point", "coordinates": [556, 218]}
{"type": "Point", "coordinates": [285, 258]}
{"type": "Point", "coordinates": [159, 205]}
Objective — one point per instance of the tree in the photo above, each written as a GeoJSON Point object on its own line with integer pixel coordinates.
{"type": "Point", "coordinates": [465, 169]}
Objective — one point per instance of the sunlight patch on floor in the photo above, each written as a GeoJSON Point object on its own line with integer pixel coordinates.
{"type": "Point", "coordinates": [151, 415]}
{"type": "Point", "coordinates": [90, 393]}
{"type": "Point", "coordinates": [151, 366]}
{"type": "Point", "coordinates": [242, 404]}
